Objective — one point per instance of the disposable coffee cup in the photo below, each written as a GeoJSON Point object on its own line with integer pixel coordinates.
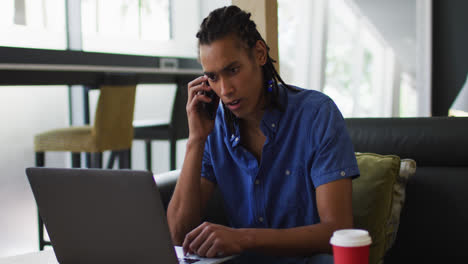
{"type": "Point", "coordinates": [351, 246]}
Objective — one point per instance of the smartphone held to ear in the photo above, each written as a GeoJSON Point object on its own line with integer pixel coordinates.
{"type": "Point", "coordinates": [211, 107]}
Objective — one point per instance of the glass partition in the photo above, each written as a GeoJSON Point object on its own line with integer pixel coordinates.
{"type": "Point", "coordinates": [33, 24]}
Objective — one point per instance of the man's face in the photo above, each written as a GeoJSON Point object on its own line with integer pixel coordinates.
{"type": "Point", "coordinates": [235, 76]}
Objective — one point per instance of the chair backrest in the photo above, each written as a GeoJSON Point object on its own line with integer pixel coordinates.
{"type": "Point", "coordinates": [179, 122]}
{"type": "Point", "coordinates": [113, 129]}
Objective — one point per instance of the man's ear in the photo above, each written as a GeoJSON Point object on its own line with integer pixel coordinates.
{"type": "Point", "coordinates": [261, 52]}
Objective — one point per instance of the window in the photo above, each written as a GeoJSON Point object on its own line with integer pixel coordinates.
{"type": "Point", "coordinates": [122, 25]}
{"type": "Point", "coordinates": [367, 57]}
{"type": "Point", "coordinates": [408, 97]}
{"type": "Point", "coordinates": [33, 24]}
{"type": "Point", "coordinates": [359, 64]}
{"type": "Point", "coordinates": [147, 27]}
{"type": "Point", "coordinates": [126, 19]}
{"type": "Point", "coordinates": [300, 33]}
{"type": "Point", "coordinates": [288, 27]}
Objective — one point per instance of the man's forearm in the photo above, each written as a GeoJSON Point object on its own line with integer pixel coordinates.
{"type": "Point", "coordinates": [298, 241]}
{"type": "Point", "coordinates": [335, 213]}
{"type": "Point", "coordinates": [184, 210]}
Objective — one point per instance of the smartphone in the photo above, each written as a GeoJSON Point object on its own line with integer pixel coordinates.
{"type": "Point", "coordinates": [211, 107]}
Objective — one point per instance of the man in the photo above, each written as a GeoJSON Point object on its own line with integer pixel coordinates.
{"type": "Point", "coordinates": [280, 155]}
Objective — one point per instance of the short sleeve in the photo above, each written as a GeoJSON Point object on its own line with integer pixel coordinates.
{"type": "Point", "coordinates": [207, 164]}
{"type": "Point", "coordinates": [333, 152]}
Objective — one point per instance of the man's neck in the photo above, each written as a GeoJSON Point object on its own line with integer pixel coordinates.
{"type": "Point", "coordinates": [252, 122]}
{"type": "Point", "coordinates": [252, 138]}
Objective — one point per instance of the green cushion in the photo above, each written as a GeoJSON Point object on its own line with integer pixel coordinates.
{"type": "Point", "coordinates": [372, 199]}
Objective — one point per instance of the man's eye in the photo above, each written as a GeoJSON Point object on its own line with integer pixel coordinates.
{"type": "Point", "coordinates": [234, 70]}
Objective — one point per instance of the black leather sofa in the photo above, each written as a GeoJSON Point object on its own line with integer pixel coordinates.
{"type": "Point", "coordinates": [434, 221]}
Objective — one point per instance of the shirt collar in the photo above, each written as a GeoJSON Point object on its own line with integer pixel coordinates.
{"type": "Point", "coordinates": [230, 138]}
{"type": "Point", "coordinates": [271, 119]}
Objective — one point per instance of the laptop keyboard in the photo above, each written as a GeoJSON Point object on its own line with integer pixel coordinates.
{"type": "Point", "coordinates": [187, 260]}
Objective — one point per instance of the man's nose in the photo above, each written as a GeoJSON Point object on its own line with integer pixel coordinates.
{"type": "Point", "coordinates": [226, 88]}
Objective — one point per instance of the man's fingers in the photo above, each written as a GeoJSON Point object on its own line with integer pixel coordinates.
{"type": "Point", "coordinates": [188, 239]}
{"type": "Point", "coordinates": [215, 251]}
{"type": "Point", "coordinates": [193, 105]}
{"type": "Point", "coordinates": [197, 81]}
{"type": "Point", "coordinates": [191, 236]}
{"type": "Point", "coordinates": [197, 90]}
{"type": "Point", "coordinates": [206, 245]}
{"type": "Point", "coordinates": [201, 238]}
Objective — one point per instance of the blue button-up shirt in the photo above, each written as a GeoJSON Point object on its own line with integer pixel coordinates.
{"type": "Point", "coordinates": [307, 145]}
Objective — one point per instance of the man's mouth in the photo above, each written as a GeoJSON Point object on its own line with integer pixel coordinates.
{"type": "Point", "coordinates": [234, 102]}
{"type": "Point", "coordinates": [234, 105]}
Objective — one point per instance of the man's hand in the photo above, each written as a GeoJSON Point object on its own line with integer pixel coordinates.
{"type": "Point", "coordinates": [200, 126]}
{"type": "Point", "coordinates": [211, 240]}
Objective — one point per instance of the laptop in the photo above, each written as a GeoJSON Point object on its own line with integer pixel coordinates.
{"type": "Point", "coordinates": [105, 216]}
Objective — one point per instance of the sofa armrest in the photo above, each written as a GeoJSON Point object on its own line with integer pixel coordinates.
{"type": "Point", "coordinates": [166, 183]}
{"type": "Point", "coordinates": [215, 209]}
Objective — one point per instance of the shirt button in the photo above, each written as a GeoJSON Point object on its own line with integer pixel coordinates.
{"type": "Point", "coordinates": [273, 125]}
{"type": "Point", "coordinates": [287, 172]}
{"type": "Point", "coordinates": [237, 139]}
{"type": "Point", "coordinates": [260, 219]}
{"type": "Point", "coordinates": [257, 182]}
{"type": "Point", "coordinates": [343, 173]}
{"type": "Point", "coordinates": [232, 136]}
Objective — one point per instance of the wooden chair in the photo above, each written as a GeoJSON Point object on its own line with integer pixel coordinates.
{"type": "Point", "coordinates": [177, 128]}
{"type": "Point", "coordinates": [112, 130]}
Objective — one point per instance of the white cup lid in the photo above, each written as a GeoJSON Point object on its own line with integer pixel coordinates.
{"type": "Point", "coordinates": [351, 238]}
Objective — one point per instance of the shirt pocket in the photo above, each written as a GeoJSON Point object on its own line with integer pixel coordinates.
{"type": "Point", "coordinates": [292, 205]}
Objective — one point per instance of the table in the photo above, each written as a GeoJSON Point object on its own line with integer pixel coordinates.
{"type": "Point", "coordinates": [22, 66]}
{"type": "Point", "coordinates": [48, 257]}
{"type": "Point", "coordinates": [41, 257]}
